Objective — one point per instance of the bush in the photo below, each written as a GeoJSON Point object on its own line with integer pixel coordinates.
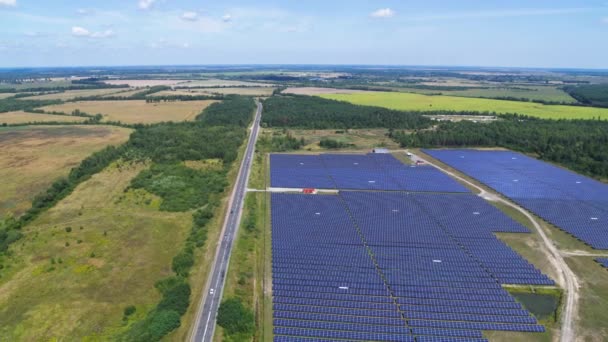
{"type": "Point", "coordinates": [129, 310]}
{"type": "Point", "coordinates": [183, 262]}
{"type": "Point", "coordinates": [235, 318]}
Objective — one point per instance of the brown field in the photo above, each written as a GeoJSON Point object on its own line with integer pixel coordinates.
{"type": "Point", "coordinates": [72, 94]}
{"type": "Point", "coordinates": [5, 95]}
{"type": "Point", "coordinates": [21, 117]}
{"type": "Point", "coordinates": [212, 83]}
{"type": "Point", "coordinates": [126, 93]}
{"type": "Point", "coordinates": [145, 83]}
{"type": "Point", "coordinates": [247, 91]}
{"type": "Point", "coordinates": [317, 91]}
{"type": "Point", "coordinates": [136, 111]}
{"type": "Point", "coordinates": [33, 157]}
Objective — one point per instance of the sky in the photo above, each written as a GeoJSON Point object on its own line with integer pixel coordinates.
{"type": "Point", "coordinates": [513, 33]}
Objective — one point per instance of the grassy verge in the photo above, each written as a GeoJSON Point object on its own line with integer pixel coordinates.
{"type": "Point", "coordinates": [593, 305]}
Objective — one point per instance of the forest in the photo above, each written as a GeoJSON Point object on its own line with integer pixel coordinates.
{"type": "Point", "coordinates": [595, 95]}
{"type": "Point", "coordinates": [580, 145]}
{"type": "Point", "coordinates": [235, 110]}
{"type": "Point", "coordinates": [317, 113]}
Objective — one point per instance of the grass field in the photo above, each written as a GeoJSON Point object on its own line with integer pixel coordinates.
{"type": "Point", "coordinates": [34, 156]}
{"type": "Point", "coordinates": [532, 93]}
{"type": "Point", "coordinates": [593, 313]}
{"type": "Point", "coordinates": [5, 95]}
{"type": "Point", "coordinates": [21, 117]}
{"type": "Point", "coordinates": [72, 94]}
{"type": "Point", "coordinates": [38, 84]}
{"type": "Point", "coordinates": [73, 284]}
{"type": "Point", "coordinates": [406, 101]}
{"type": "Point", "coordinates": [136, 111]}
{"type": "Point", "coordinates": [359, 138]}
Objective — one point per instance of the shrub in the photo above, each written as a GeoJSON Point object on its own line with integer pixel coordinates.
{"type": "Point", "coordinates": [235, 318]}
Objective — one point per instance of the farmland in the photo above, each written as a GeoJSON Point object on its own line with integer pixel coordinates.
{"type": "Point", "coordinates": [21, 117]}
{"type": "Point", "coordinates": [418, 102]}
{"type": "Point", "coordinates": [135, 111]}
{"type": "Point", "coordinates": [72, 94]}
{"type": "Point", "coordinates": [33, 157]}
{"type": "Point", "coordinates": [144, 83]}
{"type": "Point", "coordinates": [246, 91]}
{"type": "Point", "coordinates": [116, 247]}
{"type": "Point", "coordinates": [214, 83]}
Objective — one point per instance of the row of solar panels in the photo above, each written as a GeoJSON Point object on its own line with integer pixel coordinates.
{"type": "Point", "coordinates": [356, 171]}
{"type": "Point", "coordinates": [576, 204]}
{"type": "Point", "coordinates": [425, 274]}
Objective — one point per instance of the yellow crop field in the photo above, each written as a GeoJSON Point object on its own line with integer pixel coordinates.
{"type": "Point", "coordinates": [135, 111]}
{"type": "Point", "coordinates": [33, 157]}
{"type": "Point", "coordinates": [418, 102]}
{"type": "Point", "coordinates": [20, 117]}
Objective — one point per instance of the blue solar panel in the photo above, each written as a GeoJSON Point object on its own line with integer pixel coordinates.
{"type": "Point", "coordinates": [356, 172]}
{"type": "Point", "coordinates": [574, 203]}
{"type": "Point", "coordinates": [384, 266]}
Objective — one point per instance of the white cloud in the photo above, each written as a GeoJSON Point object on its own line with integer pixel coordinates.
{"type": "Point", "coordinates": [145, 4]}
{"type": "Point", "coordinates": [78, 31]}
{"type": "Point", "coordinates": [383, 13]}
{"type": "Point", "coordinates": [8, 3]}
{"type": "Point", "coordinates": [190, 16]}
{"type": "Point", "coordinates": [226, 18]}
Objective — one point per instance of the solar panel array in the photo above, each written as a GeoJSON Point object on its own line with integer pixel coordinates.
{"type": "Point", "coordinates": [394, 266]}
{"type": "Point", "coordinates": [356, 172]}
{"type": "Point", "coordinates": [574, 203]}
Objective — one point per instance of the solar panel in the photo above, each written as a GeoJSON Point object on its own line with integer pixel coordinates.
{"type": "Point", "coordinates": [574, 203]}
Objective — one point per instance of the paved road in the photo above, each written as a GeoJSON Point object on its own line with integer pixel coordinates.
{"type": "Point", "coordinates": [567, 278]}
{"type": "Point", "coordinates": [205, 320]}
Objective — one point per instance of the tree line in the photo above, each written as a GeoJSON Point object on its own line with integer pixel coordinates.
{"type": "Point", "coordinates": [313, 112]}
{"type": "Point", "coordinates": [580, 145]}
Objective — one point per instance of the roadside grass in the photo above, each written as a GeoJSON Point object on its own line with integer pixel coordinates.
{"type": "Point", "coordinates": [21, 117]}
{"type": "Point", "coordinates": [135, 111]}
{"type": "Point", "coordinates": [96, 252]}
{"type": "Point", "coordinates": [33, 157]}
{"type": "Point", "coordinates": [418, 102]}
{"type": "Point", "coordinates": [72, 94]}
{"type": "Point", "coordinates": [593, 313]}
{"type": "Point", "coordinates": [357, 138]}
{"type": "Point", "coordinates": [203, 257]}
{"type": "Point", "coordinates": [248, 276]}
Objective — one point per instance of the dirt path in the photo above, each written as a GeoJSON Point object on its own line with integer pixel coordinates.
{"type": "Point", "coordinates": [583, 253]}
{"type": "Point", "coordinates": [567, 278]}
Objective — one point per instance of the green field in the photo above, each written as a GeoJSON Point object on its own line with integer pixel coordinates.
{"type": "Point", "coordinates": [61, 283]}
{"type": "Point", "coordinates": [418, 102]}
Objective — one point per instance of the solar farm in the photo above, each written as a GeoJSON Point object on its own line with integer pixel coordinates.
{"type": "Point", "coordinates": [574, 203]}
{"type": "Point", "coordinates": [400, 253]}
